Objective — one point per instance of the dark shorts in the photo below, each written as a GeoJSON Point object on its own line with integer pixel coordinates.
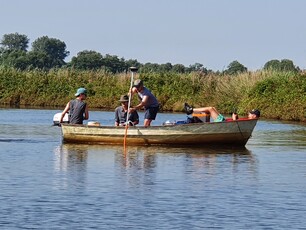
{"type": "Point", "coordinates": [151, 113]}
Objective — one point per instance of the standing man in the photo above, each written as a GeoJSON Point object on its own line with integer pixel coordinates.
{"type": "Point", "coordinates": [121, 113]}
{"type": "Point", "coordinates": [78, 109]}
{"type": "Point", "coordinates": [147, 101]}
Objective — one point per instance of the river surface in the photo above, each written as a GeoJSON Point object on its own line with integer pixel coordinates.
{"type": "Point", "coordinates": [49, 185]}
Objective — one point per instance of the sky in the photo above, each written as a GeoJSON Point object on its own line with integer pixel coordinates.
{"type": "Point", "coordinates": [210, 32]}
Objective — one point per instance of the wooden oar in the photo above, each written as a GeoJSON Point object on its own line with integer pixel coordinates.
{"type": "Point", "coordinates": [133, 70]}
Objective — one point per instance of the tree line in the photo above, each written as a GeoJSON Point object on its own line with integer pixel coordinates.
{"type": "Point", "coordinates": [50, 53]}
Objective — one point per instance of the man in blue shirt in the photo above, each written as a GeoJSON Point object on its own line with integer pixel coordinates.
{"type": "Point", "coordinates": [121, 113]}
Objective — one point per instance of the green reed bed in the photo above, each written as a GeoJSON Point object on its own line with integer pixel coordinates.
{"type": "Point", "coordinates": [279, 95]}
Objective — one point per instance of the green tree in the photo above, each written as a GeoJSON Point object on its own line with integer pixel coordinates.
{"type": "Point", "coordinates": [49, 49]}
{"type": "Point", "coordinates": [197, 67]}
{"type": "Point", "coordinates": [178, 68]}
{"type": "Point", "coordinates": [150, 67]}
{"type": "Point", "coordinates": [272, 65]}
{"type": "Point", "coordinates": [283, 65]}
{"type": "Point", "coordinates": [165, 67]}
{"type": "Point", "coordinates": [13, 58]}
{"type": "Point", "coordinates": [113, 64]}
{"type": "Point", "coordinates": [287, 65]}
{"type": "Point", "coordinates": [22, 62]}
{"type": "Point", "coordinates": [132, 62]}
{"type": "Point", "coordinates": [14, 41]}
{"type": "Point", "coordinates": [87, 60]}
{"type": "Point", "coordinates": [235, 68]}
{"type": "Point", "coordinates": [40, 60]}
{"type": "Point", "coordinates": [13, 49]}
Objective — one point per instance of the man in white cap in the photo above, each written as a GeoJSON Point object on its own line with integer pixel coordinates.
{"type": "Point", "coordinates": [78, 109]}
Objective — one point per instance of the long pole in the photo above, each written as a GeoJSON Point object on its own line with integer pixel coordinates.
{"type": "Point", "coordinates": [133, 70]}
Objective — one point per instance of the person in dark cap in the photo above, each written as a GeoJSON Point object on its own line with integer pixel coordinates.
{"type": "Point", "coordinates": [147, 101]}
{"type": "Point", "coordinates": [255, 113]}
{"type": "Point", "coordinates": [215, 115]}
{"type": "Point", "coordinates": [121, 113]}
{"type": "Point", "coordinates": [78, 109]}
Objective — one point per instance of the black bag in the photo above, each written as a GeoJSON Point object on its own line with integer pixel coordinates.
{"type": "Point", "coordinates": [193, 120]}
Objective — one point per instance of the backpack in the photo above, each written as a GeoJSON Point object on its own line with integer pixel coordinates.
{"type": "Point", "coordinates": [193, 120]}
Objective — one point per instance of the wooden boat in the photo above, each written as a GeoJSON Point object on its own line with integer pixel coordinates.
{"type": "Point", "coordinates": [229, 133]}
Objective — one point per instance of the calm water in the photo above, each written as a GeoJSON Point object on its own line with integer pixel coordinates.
{"type": "Point", "coordinates": [49, 185]}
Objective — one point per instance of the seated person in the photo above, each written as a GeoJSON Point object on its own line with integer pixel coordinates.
{"type": "Point", "coordinates": [121, 113]}
{"type": "Point", "coordinates": [216, 116]}
{"type": "Point", "coordinates": [255, 113]}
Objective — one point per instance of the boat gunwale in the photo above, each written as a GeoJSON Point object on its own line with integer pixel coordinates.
{"type": "Point", "coordinates": [160, 126]}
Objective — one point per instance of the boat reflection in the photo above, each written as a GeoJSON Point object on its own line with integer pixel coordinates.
{"type": "Point", "coordinates": [68, 157]}
{"type": "Point", "coordinates": [77, 156]}
{"type": "Point", "coordinates": [71, 165]}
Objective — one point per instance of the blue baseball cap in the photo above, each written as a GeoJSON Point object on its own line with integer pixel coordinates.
{"type": "Point", "coordinates": [81, 91]}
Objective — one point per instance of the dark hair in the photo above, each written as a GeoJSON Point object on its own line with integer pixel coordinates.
{"type": "Point", "coordinates": [256, 112]}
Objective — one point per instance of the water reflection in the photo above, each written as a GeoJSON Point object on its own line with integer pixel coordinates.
{"type": "Point", "coordinates": [70, 157]}
{"type": "Point", "coordinates": [48, 185]}
{"type": "Point", "coordinates": [148, 159]}
{"type": "Point", "coordinates": [70, 167]}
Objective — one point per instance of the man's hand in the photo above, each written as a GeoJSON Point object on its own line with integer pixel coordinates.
{"type": "Point", "coordinates": [129, 123]}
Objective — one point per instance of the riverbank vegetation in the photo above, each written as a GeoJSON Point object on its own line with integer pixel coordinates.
{"type": "Point", "coordinates": [278, 94]}
{"type": "Point", "coordinates": [40, 77]}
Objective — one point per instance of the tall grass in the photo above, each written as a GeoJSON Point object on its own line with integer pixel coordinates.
{"type": "Point", "coordinates": [279, 95]}
{"type": "Point", "coordinates": [282, 95]}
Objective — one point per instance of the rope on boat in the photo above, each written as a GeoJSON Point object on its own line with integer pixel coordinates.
{"type": "Point", "coordinates": [240, 129]}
